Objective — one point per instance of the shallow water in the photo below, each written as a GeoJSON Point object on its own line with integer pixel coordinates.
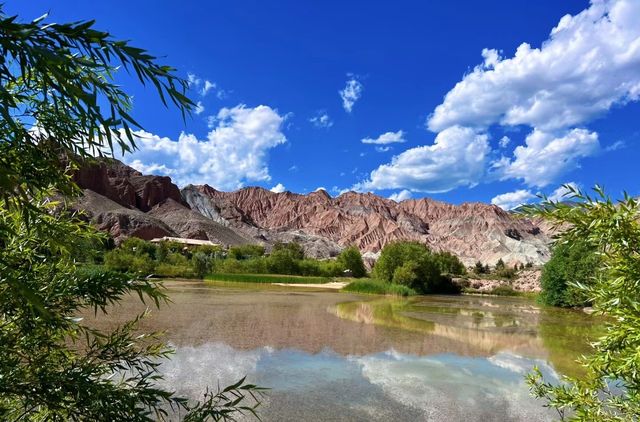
{"type": "Point", "coordinates": [335, 356]}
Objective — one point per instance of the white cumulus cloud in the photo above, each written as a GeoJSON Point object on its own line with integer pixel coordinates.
{"type": "Point", "coordinates": [351, 93]}
{"type": "Point", "coordinates": [386, 138]}
{"type": "Point", "coordinates": [589, 63]}
{"type": "Point", "coordinates": [401, 196]}
{"type": "Point", "coordinates": [279, 188]}
{"type": "Point", "coordinates": [511, 200]}
{"type": "Point", "coordinates": [546, 157]}
{"type": "Point", "coordinates": [199, 108]}
{"type": "Point", "coordinates": [234, 152]}
{"type": "Point", "coordinates": [458, 157]}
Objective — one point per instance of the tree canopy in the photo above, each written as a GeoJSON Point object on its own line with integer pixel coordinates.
{"type": "Point", "coordinates": [60, 104]}
{"type": "Point", "coordinates": [610, 390]}
{"type": "Point", "coordinates": [571, 264]}
{"type": "Point", "coordinates": [412, 264]}
{"type": "Point", "coordinates": [351, 259]}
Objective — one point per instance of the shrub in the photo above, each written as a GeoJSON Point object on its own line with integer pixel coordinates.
{"type": "Point", "coordinates": [406, 274]}
{"type": "Point", "coordinates": [309, 267]}
{"type": "Point", "coordinates": [179, 271]}
{"type": "Point", "coordinates": [416, 268]}
{"type": "Point", "coordinates": [229, 266]}
{"type": "Point", "coordinates": [504, 290]}
{"type": "Point", "coordinates": [283, 261]}
{"type": "Point", "coordinates": [331, 268]}
{"type": "Point", "coordinates": [246, 251]}
{"type": "Point", "coordinates": [351, 259]}
{"type": "Point", "coordinates": [378, 287]}
{"type": "Point", "coordinates": [450, 264]}
{"type": "Point", "coordinates": [569, 264]}
{"type": "Point", "coordinates": [293, 249]}
{"type": "Point", "coordinates": [202, 264]}
{"type": "Point", "coordinates": [506, 272]}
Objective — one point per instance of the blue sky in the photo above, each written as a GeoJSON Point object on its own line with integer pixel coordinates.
{"type": "Point", "coordinates": [412, 99]}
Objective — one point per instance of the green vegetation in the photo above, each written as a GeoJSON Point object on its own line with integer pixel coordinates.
{"type": "Point", "coordinates": [170, 259]}
{"type": "Point", "coordinates": [267, 278]}
{"type": "Point", "coordinates": [571, 266]}
{"type": "Point", "coordinates": [413, 265]}
{"type": "Point", "coordinates": [500, 271]}
{"type": "Point", "coordinates": [501, 290]}
{"type": "Point", "coordinates": [288, 259]}
{"type": "Point", "coordinates": [351, 260]}
{"type": "Point", "coordinates": [450, 264]}
{"type": "Point", "coordinates": [376, 287]}
{"type": "Point", "coordinates": [165, 259]}
{"type": "Point", "coordinates": [60, 105]}
{"type": "Point", "coordinates": [609, 390]}
{"type": "Point", "coordinates": [246, 252]}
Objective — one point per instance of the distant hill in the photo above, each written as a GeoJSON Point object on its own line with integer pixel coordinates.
{"type": "Point", "coordinates": [124, 202]}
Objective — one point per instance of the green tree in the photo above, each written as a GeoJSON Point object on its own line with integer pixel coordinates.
{"type": "Point", "coordinates": [478, 268]}
{"type": "Point", "coordinates": [351, 259]}
{"type": "Point", "coordinates": [202, 264]}
{"type": "Point", "coordinates": [283, 261]}
{"type": "Point", "coordinates": [500, 265]}
{"type": "Point", "coordinates": [610, 388]}
{"type": "Point", "coordinates": [418, 266]}
{"type": "Point", "coordinates": [293, 249]}
{"type": "Point", "coordinates": [571, 264]}
{"type": "Point", "coordinates": [406, 274]}
{"type": "Point", "coordinates": [450, 264]}
{"type": "Point", "coordinates": [246, 251]}
{"type": "Point", "coordinates": [60, 105]}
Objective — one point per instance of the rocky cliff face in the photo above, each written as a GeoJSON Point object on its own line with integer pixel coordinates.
{"type": "Point", "coordinates": [126, 186]}
{"type": "Point", "coordinates": [473, 231]}
{"type": "Point", "coordinates": [126, 203]}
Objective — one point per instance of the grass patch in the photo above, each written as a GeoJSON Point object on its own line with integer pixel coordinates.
{"type": "Point", "coordinates": [268, 278]}
{"type": "Point", "coordinates": [378, 288]}
{"type": "Point", "coordinates": [502, 290]}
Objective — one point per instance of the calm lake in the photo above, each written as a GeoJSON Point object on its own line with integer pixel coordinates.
{"type": "Point", "coordinates": [330, 356]}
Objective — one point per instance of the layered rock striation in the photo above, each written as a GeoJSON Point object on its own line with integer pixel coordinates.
{"type": "Point", "coordinates": [124, 202]}
{"type": "Point", "coordinates": [472, 231]}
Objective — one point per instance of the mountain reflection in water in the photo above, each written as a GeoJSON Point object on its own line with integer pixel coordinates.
{"type": "Point", "coordinates": [335, 356]}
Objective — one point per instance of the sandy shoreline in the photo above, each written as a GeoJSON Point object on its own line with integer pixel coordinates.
{"type": "Point", "coordinates": [336, 285]}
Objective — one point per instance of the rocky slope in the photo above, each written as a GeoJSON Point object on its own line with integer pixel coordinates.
{"type": "Point", "coordinates": [473, 231]}
{"type": "Point", "coordinates": [527, 280]}
{"type": "Point", "coordinates": [126, 203]}
{"type": "Point", "coordinates": [125, 185]}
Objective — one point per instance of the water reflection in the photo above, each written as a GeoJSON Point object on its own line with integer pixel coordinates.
{"type": "Point", "coordinates": [485, 326]}
{"type": "Point", "coordinates": [380, 387]}
{"type": "Point", "coordinates": [334, 356]}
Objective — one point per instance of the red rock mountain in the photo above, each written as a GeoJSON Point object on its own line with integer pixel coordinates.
{"type": "Point", "coordinates": [126, 186]}
{"type": "Point", "coordinates": [473, 231]}
{"type": "Point", "coordinates": [126, 203]}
